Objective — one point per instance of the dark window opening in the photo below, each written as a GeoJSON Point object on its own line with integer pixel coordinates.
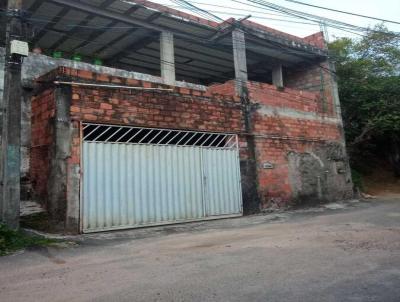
{"type": "Point", "coordinates": [260, 75]}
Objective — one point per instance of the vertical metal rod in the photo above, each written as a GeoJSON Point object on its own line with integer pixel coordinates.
{"type": "Point", "coordinates": [81, 175]}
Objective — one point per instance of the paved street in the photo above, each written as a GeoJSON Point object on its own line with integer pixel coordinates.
{"type": "Point", "coordinates": [346, 252]}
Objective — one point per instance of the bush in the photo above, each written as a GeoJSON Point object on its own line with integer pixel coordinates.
{"type": "Point", "coordinates": [357, 179]}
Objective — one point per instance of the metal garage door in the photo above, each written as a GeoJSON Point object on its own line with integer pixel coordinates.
{"type": "Point", "coordinates": [139, 176]}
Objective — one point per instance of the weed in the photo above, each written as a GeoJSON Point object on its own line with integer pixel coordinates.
{"type": "Point", "coordinates": [11, 240]}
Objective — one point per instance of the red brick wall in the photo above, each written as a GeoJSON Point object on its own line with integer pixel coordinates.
{"type": "Point", "coordinates": [274, 184]}
{"type": "Point", "coordinates": [155, 109]}
{"type": "Point", "coordinates": [317, 39]}
{"type": "Point", "coordinates": [226, 89]}
{"type": "Point", "coordinates": [295, 128]}
{"type": "Point", "coordinates": [315, 79]}
{"type": "Point", "coordinates": [180, 109]}
{"type": "Point", "coordinates": [217, 109]}
{"type": "Point", "coordinates": [267, 94]}
{"type": "Point", "coordinates": [152, 109]}
{"type": "Point", "coordinates": [276, 137]}
{"type": "Point", "coordinates": [43, 110]}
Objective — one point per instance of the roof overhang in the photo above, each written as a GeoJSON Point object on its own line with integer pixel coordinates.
{"type": "Point", "coordinates": [125, 34]}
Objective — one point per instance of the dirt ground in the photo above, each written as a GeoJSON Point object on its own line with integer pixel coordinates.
{"type": "Point", "coordinates": [382, 183]}
{"type": "Point", "coordinates": [339, 252]}
{"type": "Point", "coordinates": [378, 179]}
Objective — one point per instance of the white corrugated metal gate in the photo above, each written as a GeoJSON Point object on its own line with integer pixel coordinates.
{"type": "Point", "coordinates": [140, 176]}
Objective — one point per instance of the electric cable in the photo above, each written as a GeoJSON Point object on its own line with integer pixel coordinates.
{"type": "Point", "coordinates": [344, 12]}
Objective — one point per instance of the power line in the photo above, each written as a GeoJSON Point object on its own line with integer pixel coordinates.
{"type": "Point", "coordinates": [270, 12]}
{"type": "Point", "coordinates": [261, 17]}
{"type": "Point", "coordinates": [343, 12]}
{"type": "Point", "coordinates": [236, 9]}
{"type": "Point", "coordinates": [311, 17]}
{"type": "Point", "coordinates": [195, 9]}
{"type": "Point", "coordinates": [42, 20]}
{"type": "Point", "coordinates": [131, 27]}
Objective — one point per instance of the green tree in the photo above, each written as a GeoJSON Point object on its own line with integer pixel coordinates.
{"type": "Point", "coordinates": [368, 71]}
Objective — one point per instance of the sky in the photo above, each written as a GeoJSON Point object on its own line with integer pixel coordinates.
{"type": "Point", "coordinates": [385, 9]}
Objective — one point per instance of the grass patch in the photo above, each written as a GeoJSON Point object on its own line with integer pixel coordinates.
{"type": "Point", "coordinates": [11, 241]}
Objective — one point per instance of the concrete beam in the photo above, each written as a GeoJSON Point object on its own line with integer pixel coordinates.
{"type": "Point", "coordinates": [301, 47]}
{"type": "Point", "coordinates": [131, 49]}
{"type": "Point", "coordinates": [167, 57]}
{"type": "Point", "coordinates": [277, 75]}
{"type": "Point", "coordinates": [239, 58]}
{"type": "Point", "coordinates": [91, 9]}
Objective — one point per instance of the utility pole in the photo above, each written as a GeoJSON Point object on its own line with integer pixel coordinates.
{"type": "Point", "coordinates": [11, 131]}
{"type": "Point", "coordinates": [333, 79]}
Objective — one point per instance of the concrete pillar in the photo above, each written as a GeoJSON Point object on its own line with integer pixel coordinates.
{"type": "Point", "coordinates": [60, 152]}
{"type": "Point", "coordinates": [2, 62]}
{"type": "Point", "coordinates": [25, 144]}
{"type": "Point", "coordinates": [11, 120]}
{"type": "Point", "coordinates": [167, 57]}
{"type": "Point", "coordinates": [277, 75]}
{"type": "Point", "coordinates": [239, 58]}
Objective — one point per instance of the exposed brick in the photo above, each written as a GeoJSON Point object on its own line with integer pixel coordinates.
{"type": "Point", "coordinates": [75, 109]}
{"type": "Point", "coordinates": [84, 74]}
{"type": "Point", "coordinates": [106, 106]}
{"type": "Point", "coordinates": [216, 110]}
{"type": "Point", "coordinates": [89, 117]}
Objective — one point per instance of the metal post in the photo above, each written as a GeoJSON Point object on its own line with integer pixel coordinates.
{"type": "Point", "coordinates": [11, 131]}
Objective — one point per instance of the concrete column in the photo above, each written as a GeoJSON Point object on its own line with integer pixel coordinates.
{"type": "Point", "coordinates": [11, 120]}
{"type": "Point", "coordinates": [60, 152]}
{"type": "Point", "coordinates": [2, 62]}
{"type": "Point", "coordinates": [277, 76]}
{"type": "Point", "coordinates": [239, 58]}
{"type": "Point", "coordinates": [25, 144]}
{"type": "Point", "coordinates": [167, 57]}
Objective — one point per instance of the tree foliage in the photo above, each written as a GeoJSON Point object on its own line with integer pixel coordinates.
{"type": "Point", "coordinates": [368, 71]}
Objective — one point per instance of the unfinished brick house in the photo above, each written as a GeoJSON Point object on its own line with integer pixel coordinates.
{"type": "Point", "coordinates": [188, 119]}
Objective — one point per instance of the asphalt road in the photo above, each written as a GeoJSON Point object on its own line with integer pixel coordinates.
{"type": "Point", "coordinates": [349, 252]}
